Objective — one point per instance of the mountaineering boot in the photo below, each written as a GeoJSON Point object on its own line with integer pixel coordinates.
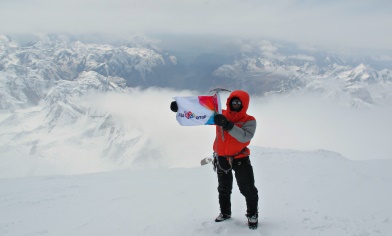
{"type": "Point", "coordinates": [252, 221]}
{"type": "Point", "coordinates": [222, 217]}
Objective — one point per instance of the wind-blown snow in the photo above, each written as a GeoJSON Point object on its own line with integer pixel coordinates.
{"type": "Point", "coordinates": [301, 193]}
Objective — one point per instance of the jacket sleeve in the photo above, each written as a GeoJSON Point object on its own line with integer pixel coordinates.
{"type": "Point", "coordinates": [245, 133]}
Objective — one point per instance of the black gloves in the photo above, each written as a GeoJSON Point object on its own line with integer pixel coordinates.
{"type": "Point", "coordinates": [173, 106]}
{"type": "Point", "coordinates": [221, 120]}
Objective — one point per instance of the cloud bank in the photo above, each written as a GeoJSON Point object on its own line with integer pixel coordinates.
{"type": "Point", "coordinates": [306, 122]}
{"type": "Point", "coordinates": [301, 122]}
{"type": "Point", "coordinates": [348, 23]}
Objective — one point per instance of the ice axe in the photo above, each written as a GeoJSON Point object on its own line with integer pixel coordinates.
{"type": "Point", "coordinates": [217, 90]}
{"type": "Point", "coordinates": [207, 160]}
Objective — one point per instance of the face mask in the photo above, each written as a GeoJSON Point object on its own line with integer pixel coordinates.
{"type": "Point", "coordinates": [236, 105]}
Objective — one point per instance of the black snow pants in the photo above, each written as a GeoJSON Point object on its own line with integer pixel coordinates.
{"type": "Point", "coordinates": [246, 183]}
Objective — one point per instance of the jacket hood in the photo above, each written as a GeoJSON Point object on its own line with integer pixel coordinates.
{"type": "Point", "coordinates": [243, 96]}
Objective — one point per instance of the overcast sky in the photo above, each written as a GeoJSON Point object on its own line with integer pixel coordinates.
{"type": "Point", "coordinates": [354, 23]}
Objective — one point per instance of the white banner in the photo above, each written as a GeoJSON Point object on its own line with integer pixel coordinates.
{"type": "Point", "coordinates": [197, 110]}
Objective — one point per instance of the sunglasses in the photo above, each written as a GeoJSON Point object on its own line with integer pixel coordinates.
{"type": "Point", "coordinates": [236, 102]}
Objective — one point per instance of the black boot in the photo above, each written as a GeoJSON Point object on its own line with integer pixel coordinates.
{"type": "Point", "coordinates": [222, 217]}
{"type": "Point", "coordinates": [252, 221]}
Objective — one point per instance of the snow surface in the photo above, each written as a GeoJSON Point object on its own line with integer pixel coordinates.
{"type": "Point", "coordinates": [301, 193]}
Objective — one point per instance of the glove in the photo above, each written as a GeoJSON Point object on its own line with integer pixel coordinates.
{"type": "Point", "coordinates": [221, 120]}
{"type": "Point", "coordinates": [173, 106]}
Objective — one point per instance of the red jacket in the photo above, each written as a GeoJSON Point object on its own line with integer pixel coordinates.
{"type": "Point", "coordinates": [235, 142]}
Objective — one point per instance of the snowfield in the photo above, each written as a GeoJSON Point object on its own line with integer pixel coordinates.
{"type": "Point", "coordinates": [301, 193]}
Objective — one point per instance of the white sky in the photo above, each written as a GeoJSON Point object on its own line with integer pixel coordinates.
{"type": "Point", "coordinates": [345, 23]}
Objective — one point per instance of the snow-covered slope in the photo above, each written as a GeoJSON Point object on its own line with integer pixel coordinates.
{"type": "Point", "coordinates": [301, 193]}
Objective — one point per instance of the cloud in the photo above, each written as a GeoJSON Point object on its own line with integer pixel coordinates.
{"type": "Point", "coordinates": [300, 122]}
{"type": "Point", "coordinates": [303, 57]}
{"type": "Point", "coordinates": [149, 111]}
{"type": "Point", "coordinates": [337, 23]}
{"type": "Point", "coordinates": [267, 47]}
{"type": "Point", "coordinates": [306, 122]}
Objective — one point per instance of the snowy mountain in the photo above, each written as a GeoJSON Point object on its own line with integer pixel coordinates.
{"type": "Point", "coordinates": [62, 98]}
{"type": "Point", "coordinates": [358, 86]}
{"type": "Point", "coordinates": [29, 68]}
{"type": "Point", "coordinates": [301, 193]}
